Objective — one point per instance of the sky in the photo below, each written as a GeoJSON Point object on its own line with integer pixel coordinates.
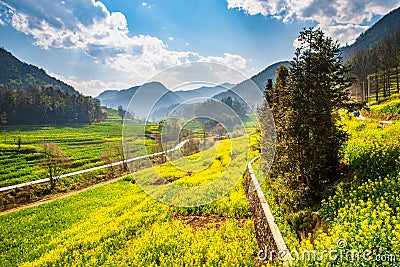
{"type": "Point", "coordinates": [109, 44]}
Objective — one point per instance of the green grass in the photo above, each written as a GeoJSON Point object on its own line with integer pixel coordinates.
{"type": "Point", "coordinates": [390, 106]}
{"type": "Point", "coordinates": [83, 144]}
{"type": "Point", "coordinates": [251, 122]}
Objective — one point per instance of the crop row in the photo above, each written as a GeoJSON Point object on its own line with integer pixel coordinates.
{"type": "Point", "coordinates": [84, 145]}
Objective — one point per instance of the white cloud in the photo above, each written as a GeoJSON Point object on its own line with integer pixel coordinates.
{"type": "Point", "coordinates": [171, 38]}
{"type": "Point", "coordinates": [341, 19]}
{"type": "Point", "coordinates": [90, 87]}
{"type": "Point", "coordinates": [88, 26]}
{"type": "Point", "coordinates": [233, 61]}
{"type": "Point", "coordinates": [147, 5]}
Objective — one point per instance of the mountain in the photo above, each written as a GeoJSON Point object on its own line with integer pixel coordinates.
{"type": "Point", "coordinates": [203, 92]}
{"type": "Point", "coordinates": [19, 75]}
{"type": "Point", "coordinates": [261, 78]}
{"type": "Point", "coordinates": [115, 98]}
{"type": "Point", "coordinates": [244, 89]}
{"type": "Point", "coordinates": [387, 25]}
{"type": "Point", "coordinates": [151, 97]}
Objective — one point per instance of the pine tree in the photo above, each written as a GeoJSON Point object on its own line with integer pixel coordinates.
{"type": "Point", "coordinates": [308, 138]}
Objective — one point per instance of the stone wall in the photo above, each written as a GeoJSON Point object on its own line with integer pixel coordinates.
{"type": "Point", "coordinates": [269, 237]}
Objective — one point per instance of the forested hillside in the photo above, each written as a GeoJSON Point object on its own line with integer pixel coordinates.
{"type": "Point", "coordinates": [19, 75]}
{"type": "Point", "coordinates": [387, 25]}
{"type": "Point", "coordinates": [377, 68]}
{"type": "Point", "coordinates": [29, 96]}
{"type": "Point", "coordinates": [36, 106]}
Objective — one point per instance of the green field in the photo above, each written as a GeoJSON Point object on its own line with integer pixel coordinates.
{"type": "Point", "coordinates": [83, 144]}
{"type": "Point", "coordinates": [391, 105]}
{"type": "Point", "coordinates": [119, 225]}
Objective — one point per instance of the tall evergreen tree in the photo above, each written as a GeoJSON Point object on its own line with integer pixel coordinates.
{"type": "Point", "coordinates": [308, 137]}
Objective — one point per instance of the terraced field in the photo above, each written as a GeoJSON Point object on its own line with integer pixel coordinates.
{"type": "Point", "coordinates": [120, 225]}
{"type": "Point", "coordinates": [84, 145]}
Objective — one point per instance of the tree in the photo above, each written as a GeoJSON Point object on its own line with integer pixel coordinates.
{"type": "Point", "coordinates": [376, 62]}
{"type": "Point", "coordinates": [237, 105]}
{"type": "Point", "coordinates": [308, 137]}
{"type": "Point", "coordinates": [112, 154]}
{"type": "Point", "coordinates": [3, 118]}
{"type": "Point", "coordinates": [54, 160]}
{"type": "Point", "coordinates": [360, 70]}
{"type": "Point", "coordinates": [121, 112]}
{"type": "Point", "coordinates": [45, 105]}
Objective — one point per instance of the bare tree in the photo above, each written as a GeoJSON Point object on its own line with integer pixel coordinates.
{"type": "Point", "coordinates": [54, 160]}
{"type": "Point", "coordinates": [112, 154]}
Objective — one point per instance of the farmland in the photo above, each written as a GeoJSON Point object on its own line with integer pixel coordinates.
{"type": "Point", "coordinates": [118, 224]}
{"type": "Point", "coordinates": [83, 144]}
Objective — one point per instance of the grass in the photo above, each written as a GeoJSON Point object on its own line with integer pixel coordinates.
{"type": "Point", "coordinates": [84, 145]}
{"type": "Point", "coordinates": [389, 106]}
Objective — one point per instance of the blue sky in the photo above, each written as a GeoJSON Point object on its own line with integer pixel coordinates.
{"type": "Point", "coordinates": [109, 44]}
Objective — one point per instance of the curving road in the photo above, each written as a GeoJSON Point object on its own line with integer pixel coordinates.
{"type": "Point", "coordinates": [7, 188]}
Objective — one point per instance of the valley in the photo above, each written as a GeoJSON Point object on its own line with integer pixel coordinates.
{"type": "Point", "coordinates": [196, 162]}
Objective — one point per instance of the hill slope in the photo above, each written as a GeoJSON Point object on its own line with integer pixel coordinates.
{"type": "Point", "coordinates": [115, 98]}
{"type": "Point", "coordinates": [388, 24]}
{"type": "Point", "coordinates": [259, 79]}
{"type": "Point", "coordinates": [19, 75]}
{"type": "Point", "coordinates": [205, 91]}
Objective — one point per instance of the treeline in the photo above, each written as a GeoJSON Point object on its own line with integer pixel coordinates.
{"type": "Point", "coordinates": [45, 105]}
{"type": "Point", "coordinates": [381, 64]}
{"type": "Point", "coordinates": [228, 112]}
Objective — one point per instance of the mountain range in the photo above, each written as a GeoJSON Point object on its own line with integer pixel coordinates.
{"type": "Point", "coordinates": [386, 25]}
{"type": "Point", "coordinates": [115, 98]}
{"type": "Point", "coordinates": [260, 79]}
{"type": "Point", "coordinates": [15, 74]}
